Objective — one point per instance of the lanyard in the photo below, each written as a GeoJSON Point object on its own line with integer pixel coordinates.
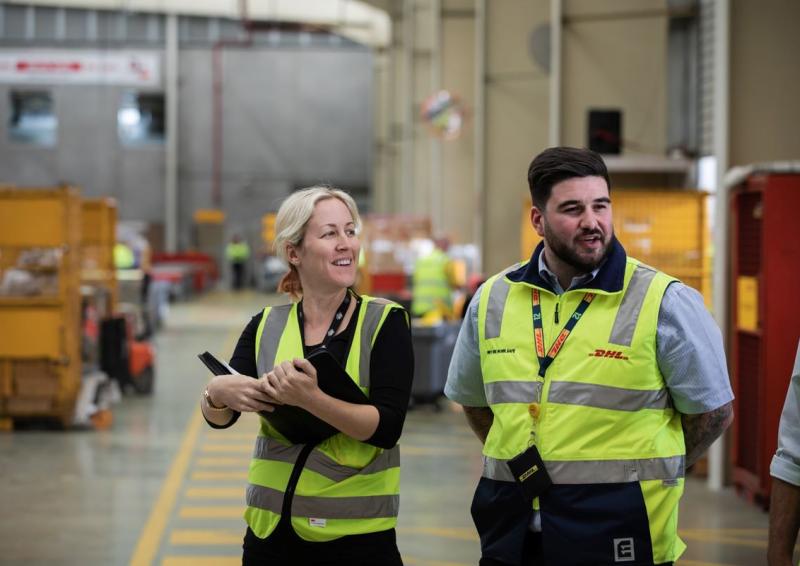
{"type": "Point", "coordinates": [337, 319]}
{"type": "Point", "coordinates": [538, 331]}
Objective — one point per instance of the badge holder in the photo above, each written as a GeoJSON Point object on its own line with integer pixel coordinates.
{"type": "Point", "coordinates": [529, 473]}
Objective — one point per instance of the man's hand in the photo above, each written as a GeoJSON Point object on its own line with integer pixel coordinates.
{"type": "Point", "coordinates": [480, 421]}
{"type": "Point", "coordinates": [700, 431]}
{"type": "Point", "coordinates": [784, 521]}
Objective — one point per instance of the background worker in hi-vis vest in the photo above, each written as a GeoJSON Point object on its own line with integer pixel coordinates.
{"type": "Point", "coordinates": [334, 501]}
{"type": "Point", "coordinates": [592, 381]}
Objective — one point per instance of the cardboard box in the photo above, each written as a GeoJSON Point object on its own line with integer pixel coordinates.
{"type": "Point", "coordinates": [35, 379]}
{"type": "Point", "coordinates": [28, 405]}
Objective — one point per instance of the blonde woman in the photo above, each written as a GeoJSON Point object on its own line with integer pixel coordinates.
{"type": "Point", "coordinates": [335, 502]}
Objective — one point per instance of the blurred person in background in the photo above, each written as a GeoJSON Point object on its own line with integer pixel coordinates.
{"type": "Point", "coordinates": [237, 253]}
{"type": "Point", "coordinates": [335, 502]}
{"type": "Point", "coordinates": [432, 281]}
{"type": "Point", "coordinates": [784, 507]}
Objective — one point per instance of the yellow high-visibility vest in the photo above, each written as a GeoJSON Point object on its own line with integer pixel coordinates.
{"type": "Point", "coordinates": [430, 283]}
{"type": "Point", "coordinates": [347, 487]}
{"type": "Point", "coordinates": [601, 417]}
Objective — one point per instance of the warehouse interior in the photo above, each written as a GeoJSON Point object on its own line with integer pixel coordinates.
{"type": "Point", "coordinates": [139, 138]}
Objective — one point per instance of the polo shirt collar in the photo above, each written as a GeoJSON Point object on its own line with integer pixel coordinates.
{"type": "Point", "coordinates": [610, 276]}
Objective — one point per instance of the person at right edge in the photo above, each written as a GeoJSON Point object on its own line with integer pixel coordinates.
{"type": "Point", "coordinates": [784, 506]}
{"type": "Point", "coordinates": [588, 365]}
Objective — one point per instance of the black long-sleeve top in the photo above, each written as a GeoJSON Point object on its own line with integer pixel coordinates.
{"type": "Point", "coordinates": [391, 369]}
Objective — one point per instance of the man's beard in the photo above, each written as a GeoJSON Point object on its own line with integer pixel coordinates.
{"type": "Point", "coordinates": [569, 256]}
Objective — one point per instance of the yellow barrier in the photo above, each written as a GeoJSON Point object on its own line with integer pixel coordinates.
{"type": "Point", "coordinates": [40, 359]}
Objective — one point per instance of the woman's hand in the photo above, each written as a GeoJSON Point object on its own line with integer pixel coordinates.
{"type": "Point", "coordinates": [292, 383]}
{"type": "Point", "coordinates": [241, 393]}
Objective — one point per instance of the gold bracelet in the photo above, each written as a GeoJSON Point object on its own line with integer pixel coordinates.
{"type": "Point", "coordinates": [211, 405]}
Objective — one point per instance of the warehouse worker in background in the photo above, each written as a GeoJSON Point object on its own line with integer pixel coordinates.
{"type": "Point", "coordinates": [784, 507]}
{"type": "Point", "coordinates": [237, 253]}
{"type": "Point", "coordinates": [432, 281]}
{"type": "Point", "coordinates": [123, 256]}
{"type": "Point", "coordinates": [592, 381]}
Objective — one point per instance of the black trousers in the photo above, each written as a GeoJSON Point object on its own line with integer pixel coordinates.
{"type": "Point", "coordinates": [532, 554]}
{"type": "Point", "coordinates": [284, 548]}
{"type": "Point", "coordinates": [238, 274]}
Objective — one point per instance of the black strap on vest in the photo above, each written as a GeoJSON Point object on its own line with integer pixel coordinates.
{"type": "Point", "coordinates": [538, 331]}
{"type": "Point", "coordinates": [337, 319]}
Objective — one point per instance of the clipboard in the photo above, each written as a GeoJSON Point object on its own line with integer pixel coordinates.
{"type": "Point", "coordinates": [296, 424]}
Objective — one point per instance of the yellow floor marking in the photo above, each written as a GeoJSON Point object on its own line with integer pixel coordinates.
{"type": "Point", "coordinates": [464, 533]}
{"type": "Point", "coordinates": [700, 563]}
{"type": "Point", "coordinates": [202, 561]}
{"type": "Point", "coordinates": [214, 462]}
{"type": "Point", "coordinates": [243, 448]}
{"type": "Point", "coordinates": [150, 538]}
{"type": "Point", "coordinates": [236, 493]}
{"type": "Point", "coordinates": [202, 537]}
{"type": "Point", "coordinates": [201, 476]}
{"type": "Point", "coordinates": [721, 539]}
{"type": "Point", "coordinates": [214, 512]}
{"type": "Point", "coordinates": [731, 532]}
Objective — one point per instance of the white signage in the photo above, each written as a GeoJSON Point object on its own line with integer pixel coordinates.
{"type": "Point", "coordinates": [139, 68]}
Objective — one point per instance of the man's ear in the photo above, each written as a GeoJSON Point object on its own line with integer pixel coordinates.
{"type": "Point", "coordinates": [537, 221]}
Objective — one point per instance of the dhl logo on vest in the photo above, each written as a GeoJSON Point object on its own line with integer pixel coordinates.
{"type": "Point", "coordinates": [613, 354]}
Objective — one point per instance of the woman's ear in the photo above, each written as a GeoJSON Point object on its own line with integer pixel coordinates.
{"type": "Point", "coordinates": [292, 255]}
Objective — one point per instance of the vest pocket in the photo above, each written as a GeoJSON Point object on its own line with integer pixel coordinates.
{"type": "Point", "coordinates": [596, 525]}
{"type": "Point", "coordinates": [502, 517]}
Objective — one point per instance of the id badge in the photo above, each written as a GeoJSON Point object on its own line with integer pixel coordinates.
{"type": "Point", "coordinates": [530, 473]}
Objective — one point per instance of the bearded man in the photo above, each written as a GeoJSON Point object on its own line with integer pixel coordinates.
{"type": "Point", "coordinates": [592, 380]}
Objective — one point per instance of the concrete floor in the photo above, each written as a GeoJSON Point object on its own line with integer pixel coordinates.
{"type": "Point", "coordinates": [161, 487]}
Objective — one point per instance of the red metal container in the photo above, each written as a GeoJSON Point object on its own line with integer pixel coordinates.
{"type": "Point", "coordinates": [765, 319]}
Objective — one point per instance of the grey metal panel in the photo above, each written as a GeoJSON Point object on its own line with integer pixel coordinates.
{"type": "Point", "coordinates": [14, 22]}
{"type": "Point", "coordinates": [44, 23]}
{"type": "Point", "coordinates": [138, 28]}
{"type": "Point", "coordinates": [76, 25]}
{"type": "Point", "coordinates": [291, 117]}
{"type": "Point", "coordinates": [87, 154]}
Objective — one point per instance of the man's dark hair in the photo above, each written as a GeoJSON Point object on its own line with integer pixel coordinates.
{"type": "Point", "coordinates": [557, 164]}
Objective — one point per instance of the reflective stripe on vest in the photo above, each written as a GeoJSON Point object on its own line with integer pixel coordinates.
{"type": "Point", "coordinates": [358, 507]}
{"type": "Point", "coordinates": [512, 391]}
{"type": "Point", "coordinates": [271, 449]}
{"type": "Point", "coordinates": [272, 332]}
{"type": "Point", "coordinates": [596, 471]}
{"type": "Point", "coordinates": [372, 318]}
{"type": "Point", "coordinates": [624, 323]}
{"type": "Point", "coordinates": [498, 293]}
{"type": "Point", "coordinates": [628, 313]}
{"type": "Point", "coordinates": [586, 394]}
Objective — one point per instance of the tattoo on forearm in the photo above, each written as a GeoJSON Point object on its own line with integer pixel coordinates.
{"type": "Point", "coordinates": [700, 431]}
{"type": "Point", "coordinates": [480, 421]}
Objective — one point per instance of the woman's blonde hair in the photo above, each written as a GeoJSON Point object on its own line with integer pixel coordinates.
{"type": "Point", "coordinates": [292, 220]}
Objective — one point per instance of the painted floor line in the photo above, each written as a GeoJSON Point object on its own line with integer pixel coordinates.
{"type": "Point", "coordinates": [153, 530]}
